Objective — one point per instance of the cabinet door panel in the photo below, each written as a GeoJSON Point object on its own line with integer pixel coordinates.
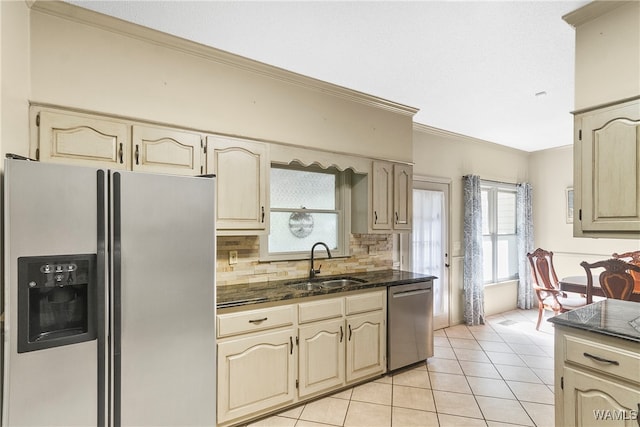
{"type": "Point", "coordinates": [382, 196]}
{"type": "Point", "coordinates": [321, 356]}
{"type": "Point", "coordinates": [402, 196]}
{"type": "Point", "coordinates": [607, 179]}
{"type": "Point", "coordinates": [254, 374]}
{"type": "Point", "coordinates": [241, 170]}
{"type": "Point", "coordinates": [366, 347]}
{"type": "Point", "coordinates": [165, 150]}
{"type": "Point", "coordinates": [590, 400]}
{"type": "Point", "coordinates": [83, 140]}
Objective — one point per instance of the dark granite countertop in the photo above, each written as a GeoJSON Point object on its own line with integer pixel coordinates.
{"type": "Point", "coordinates": [280, 290]}
{"type": "Point", "coordinates": [611, 317]}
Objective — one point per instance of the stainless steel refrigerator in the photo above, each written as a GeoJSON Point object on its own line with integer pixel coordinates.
{"type": "Point", "coordinates": [109, 297]}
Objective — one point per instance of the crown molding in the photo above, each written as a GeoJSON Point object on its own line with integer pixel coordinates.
{"type": "Point", "coordinates": [419, 127]}
{"type": "Point", "coordinates": [88, 17]}
{"type": "Point", "coordinates": [591, 11]}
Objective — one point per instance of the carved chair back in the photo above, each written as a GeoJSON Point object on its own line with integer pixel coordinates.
{"type": "Point", "coordinates": [632, 258]}
{"type": "Point", "coordinates": [616, 280]}
{"type": "Point", "coordinates": [542, 270]}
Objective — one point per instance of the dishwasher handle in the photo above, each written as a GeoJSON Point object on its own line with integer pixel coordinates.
{"type": "Point", "coordinates": [402, 294]}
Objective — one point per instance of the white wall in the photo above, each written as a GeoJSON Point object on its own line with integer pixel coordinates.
{"type": "Point", "coordinates": [442, 154]}
{"type": "Point", "coordinates": [551, 172]}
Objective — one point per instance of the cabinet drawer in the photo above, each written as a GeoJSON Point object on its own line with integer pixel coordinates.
{"type": "Point", "coordinates": [254, 320]}
{"type": "Point", "coordinates": [320, 310]}
{"type": "Point", "coordinates": [612, 360]}
{"type": "Point", "coordinates": [365, 302]}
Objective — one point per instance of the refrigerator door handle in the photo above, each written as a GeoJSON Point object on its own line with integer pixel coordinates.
{"type": "Point", "coordinates": [101, 313]}
{"type": "Point", "coordinates": [116, 298]}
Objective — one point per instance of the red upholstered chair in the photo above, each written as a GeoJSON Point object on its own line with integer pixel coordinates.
{"type": "Point", "coordinates": [545, 284]}
{"type": "Point", "coordinates": [616, 280]}
{"type": "Point", "coordinates": [632, 258]}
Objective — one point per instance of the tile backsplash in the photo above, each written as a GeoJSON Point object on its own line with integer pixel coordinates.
{"type": "Point", "coordinates": [369, 252]}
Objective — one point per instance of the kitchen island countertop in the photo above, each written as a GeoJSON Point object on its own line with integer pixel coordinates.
{"type": "Point", "coordinates": [280, 290]}
{"type": "Point", "coordinates": [611, 317]}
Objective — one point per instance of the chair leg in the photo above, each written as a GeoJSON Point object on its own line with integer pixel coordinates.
{"type": "Point", "coordinates": [540, 310]}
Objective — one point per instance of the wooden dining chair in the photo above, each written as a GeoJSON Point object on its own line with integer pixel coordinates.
{"type": "Point", "coordinates": [546, 287]}
{"type": "Point", "coordinates": [616, 280]}
{"type": "Point", "coordinates": [632, 258]}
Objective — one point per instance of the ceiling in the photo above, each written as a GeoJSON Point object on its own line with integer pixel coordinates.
{"type": "Point", "coordinates": [500, 71]}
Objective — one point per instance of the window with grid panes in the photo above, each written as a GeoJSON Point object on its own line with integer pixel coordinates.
{"type": "Point", "coordinates": [306, 206]}
{"type": "Point", "coordinates": [499, 233]}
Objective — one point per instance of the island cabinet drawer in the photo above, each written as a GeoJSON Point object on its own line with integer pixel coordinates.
{"type": "Point", "coordinates": [320, 310]}
{"type": "Point", "coordinates": [255, 320]}
{"type": "Point", "coordinates": [365, 302]}
{"type": "Point", "coordinates": [603, 358]}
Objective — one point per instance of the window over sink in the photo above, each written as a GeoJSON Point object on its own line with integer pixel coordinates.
{"type": "Point", "coordinates": [307, 205]}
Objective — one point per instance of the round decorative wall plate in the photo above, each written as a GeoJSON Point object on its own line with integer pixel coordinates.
{"type": "Point", "coordinates": [301, 224]}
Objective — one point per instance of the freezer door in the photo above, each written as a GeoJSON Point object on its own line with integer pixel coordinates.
{"type": "Point", "coordinates": [51, 213]}
{"type": "Point", "coordinates": [164, 300]}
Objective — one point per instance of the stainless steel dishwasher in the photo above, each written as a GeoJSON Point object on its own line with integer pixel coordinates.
{"type": "Point", "coordinates": [410, 324]}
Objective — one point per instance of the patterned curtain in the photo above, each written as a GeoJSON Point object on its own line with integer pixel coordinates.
{"type": "Point", "coordinates": [524, 212]}
{"type": "Point", "coordinates": [472, 275]}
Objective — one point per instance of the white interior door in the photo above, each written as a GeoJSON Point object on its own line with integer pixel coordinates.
{"type": "Point", "coordinates": [426, 249]}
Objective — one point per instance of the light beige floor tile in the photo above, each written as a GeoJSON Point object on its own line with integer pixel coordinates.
{"type": "Point", "coordinates": [412, 378]}
{"type": "Point", "coordinates": [454, 421]}
{"type": "Point", "coordinates": [403, 417]}
{"type": "Point", "coordinates": [362, 414]}
{"type": "Point", "coordinates": [275, 421]}
{"type": "Point", "coordinates": [470, 344]}
{"type": "Point", "coordinates": [441, 341]}
{"type": "Point", "coordinates": [544, 361]}
{"type": "Point", "coordinates": [305, 423]}
{"type": "Point", "coordinates": [458, 331]}
{"type": "Point", "coordinates": [443, 353]}
{"type": "Point", "coordinates": [490, 387]}
{"type": "Point", "coordinates": [503, 410]}
{"type": "Point", "coordinates": [512, 359]}
{"type": "Point", "coordinates": [546, 375]}
{"type": "Point", "coordinates": [477, 369]}
{"type": "Point", "coordinates": [501, 347]}
{"type": "Point", "coordinates": [518, 373]}
{"type": "Point", "coordinates": [373, 393]}
{"type": "Point", "coordinates": [344, 394]}
{"type": "Point", "coordinates": [439, 333]}
{"type": "Point", "coordinates": [444, 365]}
{"type": "Point", "coordinates": [530, 349]}
{"type": "Point", "coordinates": [449, 382]}
{"type": "Point", "coordinates": [527, 392]}
{"type": "Point", "coordinates": [499, 424]}
{"type": "Point", "coordinates": [413, 398]}
{"type": "Point", "coordinates": [514, 338]}
{"type": "Point", "coordinates": [487, 335]}
{"type": "Point", "coordinates": [456, 404]}
{"type": "Point", "coordinates": [542, 415]}
{"type": "Point", "coordinates": [471, 355]}
{"type": "Point", "coordinates": [292, 413]}
{"type": "Point", "coordinates": [328, 410]}
{"type": "Point", "coordinates": [387, 379]}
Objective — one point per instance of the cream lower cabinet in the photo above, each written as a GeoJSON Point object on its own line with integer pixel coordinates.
{"type": "Point", "coordinates": [597, 379]}
{"type": "Point", "coordinates": [271, 358]}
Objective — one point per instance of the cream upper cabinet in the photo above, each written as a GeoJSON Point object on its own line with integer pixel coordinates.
{"type": "Point", "coordinates": [606, 175]}
{"type": "Point", "coordinates": [241, 169]}
{"type": "Point", "coordinates": [101, 141]}
{"type": "Point", "coordinates": [167, 150]}
{"type": "Point", "coordinates": [74, 138]}
{"type": "Point", "coordinates": [382, 202]}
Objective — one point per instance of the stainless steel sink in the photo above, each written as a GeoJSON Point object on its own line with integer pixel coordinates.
{"type": "Point", "coordinates": [305, 286]}
{"type": "Point", "coordinates": [339, 283]}
{"type": "Point", "coordinates": [334, 283]}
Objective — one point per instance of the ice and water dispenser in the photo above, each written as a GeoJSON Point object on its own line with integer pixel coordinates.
{"type": "Point", "coordinates": [57, 302]}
